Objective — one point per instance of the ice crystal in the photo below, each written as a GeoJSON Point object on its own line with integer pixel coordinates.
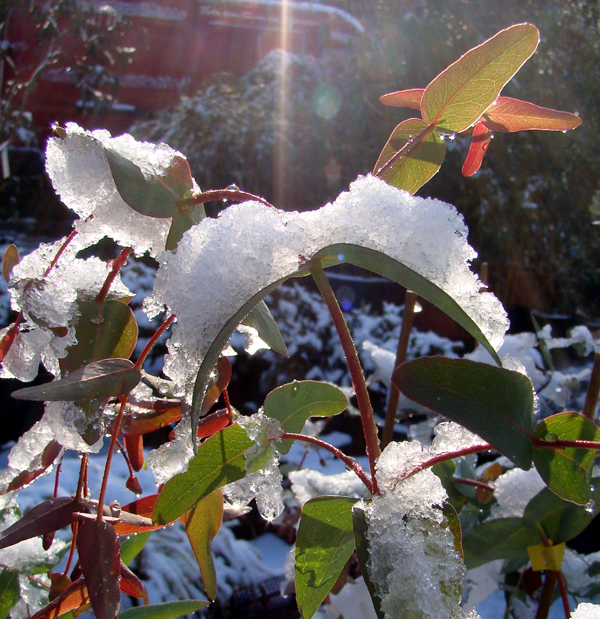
{"type": "Point", "coordinates": [267, 245]}
{"type": "Point", "coordinates": [514, 489]}
{"type": "Point", "coordinates": [309, 483]}
{"type": "Point", "coordinates": [172, 457]}
{"type": "Point", "coordinates": [586, 610]}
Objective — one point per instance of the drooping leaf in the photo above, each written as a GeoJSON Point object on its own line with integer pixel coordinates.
{"type": "Point", "coordinates": [46, 517]}
{"type": "Point", "coordinates": [101, 379]}
{"type": "Point", "coordinates": [202, 523]}
{"type": "Point", "coordinates": [340, 253]}
{"type": "Point", "coordinates": [39, 466]}
{"type": "Point", "coordinates": [507, 115]}
{"type": "Point", "coordinates": [132, 546]}
{"type": "Point", "coordinates": [420, 161]}
{"type": "Point", "coordinates": [100, 560]}
{"type": "Point", "coordinates": [482, 136]}
{"type": "Point", "coordinates": [75, 596]}
{"type": "Point", "coordinates": [560, 520]}
{"type": "Point", "coordinates": [360, 526]}
{"type": "Point", "coordinates": [165, 610]}
{"type": "Point", "coordinates": [404, 98]}
{"type": "Point", "coordinates": [566, 470]}
{"type": "Point", "coordinates": [502, 538]}
{"type": "Point", "coordinates": [130, 584]}
{"type": "Point", "coordinates": [102, 333]}
{"type": "Point", "coordinates": [156, 195]}
{"type": "Point", "coordinates": [218, 461]}
{"type": "Point", "coordinates": [495, 403]}
{"type": "Point", "coordinates": [324, 544]}
{"type": "Point", "coordinates": [460, 94]}
{"type": "Point", "coordinates": [10, 591]}
{"type": "Point", "coordinates": [261, 319]}
{"type": "Point", "coordinates": [134, 445]}
{"type": "Point", "coordinates": [10, 261]}
{"type": "Point", "coordinates": [293, 404]}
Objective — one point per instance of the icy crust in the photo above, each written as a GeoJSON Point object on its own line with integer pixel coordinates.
{"type": "Point", "coordinates": [514, 489]}
{"type": "Point", "coordinates": [50, 301]}
{"type": "Point", "coordinates": [173, 457]}
{"type": "Point", "coordinates": [81, 176]}
{"type": "Point", "coordinates": [586, 611]}
{"type": "Point", "coordinates": [309, 483]}
{"type": "Point", "coordinates": [413, 562]}
{"type": "Point", "coordinates": [222, 263]}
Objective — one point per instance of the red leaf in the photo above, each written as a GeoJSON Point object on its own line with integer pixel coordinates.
{"type": "Point", "coordinates": [507, 115]}
{"type": "Point", "coordinates": [100, 558]}
{"type": "Point", "coordinates": [46, 517]}
{"type": "Point", "coordinates": [214, 422]}
{"type": "Point", "coordinates": [142, 507]}
{"type": "Point", "coordinates": [223, 369]}
{"type": "Point", "coordinates": [404, 98]}
{"type": "Point", "coordinates": [160, 415]}
{"type": "Point", "coordinates": [39, 466]}
{"type": "Point", "coordinates": [479, 145]}
{"type": "Point", "coordinates": [9, 337]}
{"type": "Point", "coordinates": [74, 596]}
{"type": "Point", "coordinates": [130, 583]}
{"type": "Point", "coordinates": [135, 450]}
{"type": "Point", "coordinates": [133, 484]}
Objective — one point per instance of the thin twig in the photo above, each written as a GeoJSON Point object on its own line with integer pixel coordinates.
{"type": "Point", "coordinates": [234, 195]}
{"type": "Point", "coordinates": [593, 390]}
{"type": "Point", "coordinates": [351, 463]}
{"type": "Point", "coordinates": [165, 325]}
{"type": "Point", "coordinates": [358, 379]}
{"type": "Point", "coordinates": [392, 406]}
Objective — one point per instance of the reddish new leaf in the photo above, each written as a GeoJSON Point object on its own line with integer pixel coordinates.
{"type": "Point", "coordinates": [507, 115]}
{"type": "Point", "coordinates": [100, 559]}
{"type": "Point", "coordinates": [73, 597]}
{"type": "Point", "coordinates": [479, 145]}
{"type": "Point", "coordinates": [9, 337]}
{"type": "Point", "coordinates": [135, 450]}
{"type": "Point", "coordinates": [143, 508]}
{"type": "Point", "coordinates": [223, 370]}
{"type": "Point", "coordinates": [404, 98]}
{"type": "Point", "coordinates": [141, 418]}
{"type": "Point", "coordinates": [11, 259]}
{"type": "Point", "coordinates": [211, 424]}
{"type": "Point", "coordinates": [130, 583]}
{"type": "Point", "coordinates": [46, 517]}
{"type": "Point", "coordinates": [39, 466]}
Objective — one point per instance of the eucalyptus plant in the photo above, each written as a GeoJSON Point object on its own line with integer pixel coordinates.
{"type": "Point", "coordinates": [411, 525]}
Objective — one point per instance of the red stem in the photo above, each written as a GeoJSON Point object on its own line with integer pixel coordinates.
{"type": "Point", "coordinates": [540, 442]}
{"type": "Point", "coordinates": [351, 463]}
{"type": "Point", "coordinates": [472, 482]}
{"type": "Point", "coordinates": [117, 264]}
{"type": "Point", "coordinates": [165, 325]}
{"type": "Point", "coordinates": [358, 380]}
{"type": "Point", "coordinates": [59, 253]}
{"type": "Point", "coordinates": [563, 594]}
{"type": "Point", "coordinates": [109, 456]}
{"type": "Point", "coordinates": [234, 195]}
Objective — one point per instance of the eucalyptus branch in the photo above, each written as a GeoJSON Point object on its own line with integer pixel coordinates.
{"type": "Point", "coordinates": [234, 195]}
{"type": "Point", "coordinates": [351, 463]}
{"type": "Point", "coordinates": [358, 379]}
{"type": "Point", "coordinates": [117, 264]}
{"type": "Point", "coordinates": [165, 325]}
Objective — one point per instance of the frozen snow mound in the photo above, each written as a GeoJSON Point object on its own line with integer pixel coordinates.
{"type": "Point", "coordinates": [221, 264]}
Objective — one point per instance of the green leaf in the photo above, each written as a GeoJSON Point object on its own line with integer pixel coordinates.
{"type": "Point", "coordinates": [560, 520]}
{"type": "Point", "coordinates": [404, 98]}
{"type": "Point", "coordinates": [102, 333]}
{"type": "Point", "coordinates": [507, 115]}
{"type": "Point", "coordinates": [101, 379]}
{"type": "Point", "coordinates": [503, 538]}
{"type": "Point", "coordinates": [294, 403]}
{"type": "Point", "coordinates": [363, 257]}
{"type": "Point", "coordinates": [324, 544]}
{"type": "Point", "coordinates": [421, 160]}
{"type": "Point", "coordinates": [133, 545]}
{"type": "Point", "coordinates": [165, 610]}
{"type": "Point", "coordinates": [202, 523]}
{"type": "Point", "coordinates": [566, 470]}
{"type": "Point", "coordinates": [460, 94]}
{"type": "Point", "coordinates": [261, 319]}
{"type": "Point", "coordinates": [10, 592]}
{"type": "Point", "coordinates": [219, 461]}
{"type": "Point", "coordinates": [182, 222]}
{"type": "Point", "coordinates": [360, 525]}
{"type": "Point", "coordinates": [495, 403]}
{"type": "Point", "coordinates": [155, 195]}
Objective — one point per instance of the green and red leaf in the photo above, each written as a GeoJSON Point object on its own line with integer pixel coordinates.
{"type": "Point", "coordinates": [404, 98]}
